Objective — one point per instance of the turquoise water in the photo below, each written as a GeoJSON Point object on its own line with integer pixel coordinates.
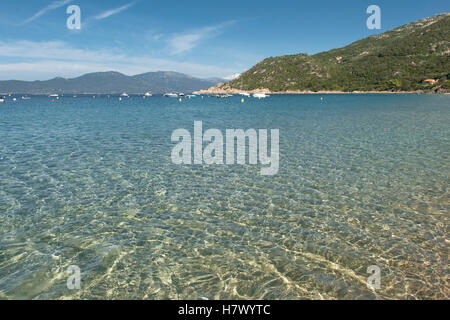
{"type": "Point", "coordinates": [363, 181]}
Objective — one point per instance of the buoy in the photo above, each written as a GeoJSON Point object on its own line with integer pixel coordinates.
{"type": "Point", "coordinates": [321, 98]}
{"type": "Point", "coordinates": [120, 98]}
{"type": "Point", "coordinates": [242, 100]}
{"type": "Point", "coordinates": [180, 99]}
{"type": "Point", "coordinates": [53, 100]}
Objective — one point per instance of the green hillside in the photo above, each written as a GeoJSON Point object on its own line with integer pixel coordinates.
{"type": "Point", "coordinates": [398, 60]}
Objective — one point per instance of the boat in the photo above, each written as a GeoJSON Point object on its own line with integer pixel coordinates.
{"type": "Point", "coordinates": [171, 95]}
{"type": "Point", "coordinates": [181, 94]}
{"type": "Point", "coordinates": [55, 95]}
{"type": "Point", "coordinates": [260, 95]}
{"type": "Point", "coordinates": [223, 96]}
{"type": "Point", "coordinates": [148, 94]}
{"type": "Point", "coordinates": [125, 95]}
{"type": "Point", "coordinates": [2, 99]}
{"type": "Point", "coordinates": [26, 98]}
{"type": "Point", "coordinates": [245, 94]}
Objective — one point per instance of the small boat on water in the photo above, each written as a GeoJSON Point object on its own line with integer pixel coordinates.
{"type": "Point", "coordinates": [148, 94]}
{"type": "Point", "coordinates": [222, 96]}
{"type": "Point", "coordinates": [171, 95]}
{"type": "Point", "coordinates": [26, 98]}
{"type": "Point", "coordinates": [2, 99]}
{"type": "Point", "coordinates": [55, 95]}
{"type": "Point", "coordinates": [124, 95]}
{"type": "Point", "coordinates": [260, 95]}
{"type": "Point", "coordinates": [245, 94]}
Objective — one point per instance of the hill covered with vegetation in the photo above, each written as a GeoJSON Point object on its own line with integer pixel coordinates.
{"type": "Point", "coordinates": [397, 60]}
{"type": "Point", "coordinates": [110, 83]}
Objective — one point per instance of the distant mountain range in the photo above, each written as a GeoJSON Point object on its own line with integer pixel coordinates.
{"type": "Point", "coordinates": [414, 57]}
{"type": "Point", "coordinates": [111, 83]}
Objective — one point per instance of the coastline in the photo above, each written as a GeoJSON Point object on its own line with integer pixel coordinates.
{"type": "Point", "coordinates": [216, 90]}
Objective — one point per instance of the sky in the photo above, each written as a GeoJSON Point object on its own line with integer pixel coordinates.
{"type": "Point", "coordinates": [200, 38]}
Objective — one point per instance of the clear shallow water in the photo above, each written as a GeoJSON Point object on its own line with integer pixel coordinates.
{"type": "Point", "coordinates": [363, 181]}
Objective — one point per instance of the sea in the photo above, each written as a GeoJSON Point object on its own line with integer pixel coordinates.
{"type": "Point", "coordinates": [359, 208]}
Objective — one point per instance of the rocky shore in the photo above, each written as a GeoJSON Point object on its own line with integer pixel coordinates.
{"type": "Point", "coordinates": [222, 88]}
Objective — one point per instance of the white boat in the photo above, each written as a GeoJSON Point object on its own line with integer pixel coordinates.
{"type": "Point", "coordinates": [53, 95]}
{"type": "Point", "coordinates": [245, 94]}
{"type": "Point", "coordinates": [125, 95]}
{"type": "Point", "coordinates": [260, 95]}
{"type": "Point", "coordinates": [2, 99]}
{"type": "Point", "coordinates": [181, 94]}
{"type": "Point", "coordinates": [25, 98]}
{"type": "Point", "coordinates": [148, 94]}
{"type": "Point", "coordinates": [171, 95]}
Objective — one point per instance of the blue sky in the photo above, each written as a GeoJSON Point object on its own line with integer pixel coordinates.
{"type": "Point", "coordinates": [201, 38]}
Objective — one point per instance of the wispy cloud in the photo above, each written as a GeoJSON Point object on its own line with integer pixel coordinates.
{"type": "Point", "coordinates": [184, 42]}
{"type": "Point", "coordinates": [51, 6]}
{"type": "Point", "coordinates": [43, 60]}
{"type": "Point", "coordinates": [233, 76]}
{"type": "Point", "coordinates": [111, 12]}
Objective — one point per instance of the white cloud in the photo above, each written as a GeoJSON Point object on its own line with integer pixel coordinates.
{"type": "Point", "coordinates": [184, 42]}
{"type": "Point", "coordinates": [51, 6]}
{"type": "Point", "coordinates": [112, 12]}
{"type": "Point", "coordinates": [232, 77]}
{"type": "Point", "coordinates": [43, 60]}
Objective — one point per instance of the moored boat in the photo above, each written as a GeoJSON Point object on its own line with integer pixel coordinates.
{"type": "Point", "coordinates": [260, 95]}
